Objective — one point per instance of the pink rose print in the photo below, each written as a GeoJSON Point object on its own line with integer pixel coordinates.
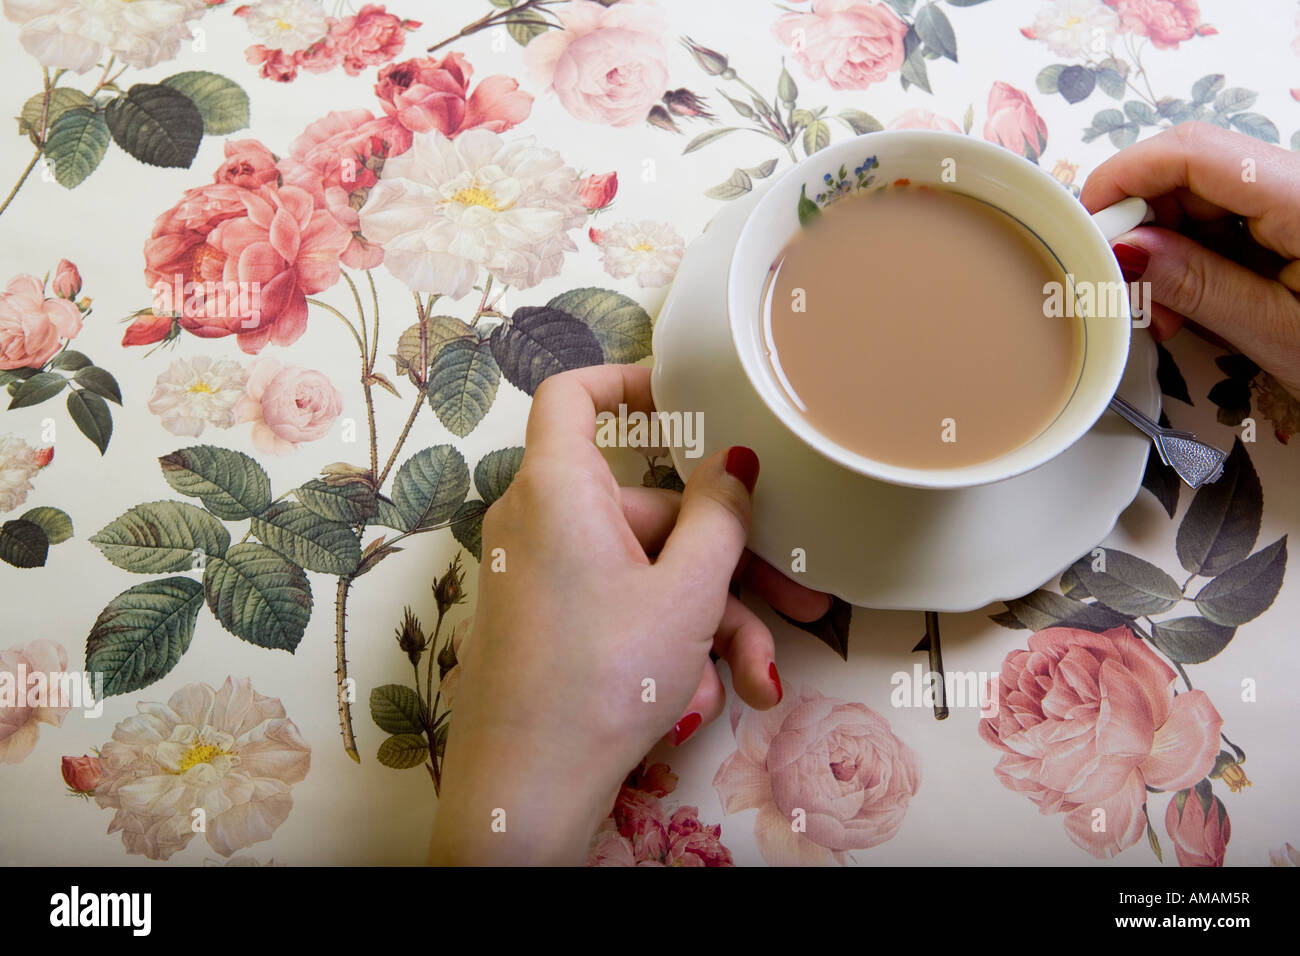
{"type": "Point", "coordinates": [248, 164]}
{"type": "Point", "coordinates": [290, 249]}
{"type": "Point", "coordinates": [923, 119]}
{"type": "Point", "coordinates": [426, 94]}
{"type": "Point", "coordinates": [82, 774]}
{"type": "Point", "coordinates": [608, 64]}
{"type": "Point", "coordinates": [272, 64]}
{"type": "Point", "coordinates": [1166, 22]}
{"type": "Point", "coordinates": [321, 57]}
{"type": "Point", "coordinates": [1200, 832]}
{"type": "Point", "coordinates": [178, 252]}
{"type": "Point", "coordinates": [692, 843]}
{"type": "Point", "coordinates": [848, 43]}
{"type": "Point", "coordinates": [1014, 123]}
{"type": "Point", "coordinates": [597, 192]}
{"type": "Point", "coordinates": [611, 848]}
{"type": "Point", "coordinates": [67, 280]}
{"type": "Point", "coordinates": [369, 38]}
{"type": "Point", "coordinates": [32, 327]}
{"type": "Point", "coordinates": [335, 160]}
{"type": "Point", "coordinates": [175, 246]}
{"type": "Point", "coordinates": [287, 406]}
{"type": "Point", "coordinates": [640, 832]}
{"type": "Point", "coordinates": [30, 703]}
{"type": "Point", "coordinates": [252, 255]}
{"type": "Point", "coordinates": [837, 761]}
{"type": "Point", "coordinates": [640, 818]}
{"type": "Point", "coordinates": [1087, 721]}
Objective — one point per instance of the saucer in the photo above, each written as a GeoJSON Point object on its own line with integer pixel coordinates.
{"type": "Point", "coordinates": [871, 543]}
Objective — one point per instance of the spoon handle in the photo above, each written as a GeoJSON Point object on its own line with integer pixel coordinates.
{"type": "Point", "coordinates": [1135, 418]}
{"type": "Point", "coordinates": [1196, 462]}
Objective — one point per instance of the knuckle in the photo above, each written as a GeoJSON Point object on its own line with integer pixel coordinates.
{"type": "Point", "coordinates": [1190, 286]}
{"type": "Point", "coordinates": [722, 495]}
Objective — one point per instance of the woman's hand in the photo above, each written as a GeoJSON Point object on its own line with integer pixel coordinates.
{"type": "Point", "coordinates": [1226, 238]}
{"type": "Point", "coordinates": [594, 641]}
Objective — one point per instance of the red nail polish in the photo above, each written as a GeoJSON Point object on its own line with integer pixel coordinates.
{"type": "Point", "coordinates": [742, 464]}
{"type": "Point", "coordinates": [776, 679]}
{"type": "Point", "coordinates": [1132, 260]}
{"type": "Point", "coordinates": [685, 727]}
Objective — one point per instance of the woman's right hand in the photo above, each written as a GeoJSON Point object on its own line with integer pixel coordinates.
{"type": "Point", "coordinates": [1224, 247]}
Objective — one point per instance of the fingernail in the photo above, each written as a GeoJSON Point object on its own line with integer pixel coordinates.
{"type": "Point", "coordinates": [685, 727]}
{"type": "Point", "coordinates": [1132, 260]}
{"type": "Point", "coordinates": [776, 679]}
{"type": "Point", "coordinates": [742, 464]}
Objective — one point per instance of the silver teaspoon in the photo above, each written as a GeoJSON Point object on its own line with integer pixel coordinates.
{"type": "Point", "coordinates": [1196, 462]}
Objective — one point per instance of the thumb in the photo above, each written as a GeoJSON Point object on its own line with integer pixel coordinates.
{"type": "Point", "coordinates": [713, 522]}
{"type": "Point", "coordinates": [1258, 315]}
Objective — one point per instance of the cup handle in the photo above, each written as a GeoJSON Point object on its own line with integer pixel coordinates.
{"type": "Point", "coordinates": [1119, 218]}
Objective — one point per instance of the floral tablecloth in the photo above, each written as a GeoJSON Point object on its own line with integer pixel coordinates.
{"type": "Point", "coordinates": [281, 278]}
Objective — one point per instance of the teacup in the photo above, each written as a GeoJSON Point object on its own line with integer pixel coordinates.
{"type": "Point", "coordinates": [1079, 242]}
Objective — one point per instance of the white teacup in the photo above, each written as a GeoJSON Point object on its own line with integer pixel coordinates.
{"type": "Point", "coordinates": [1080, 243]}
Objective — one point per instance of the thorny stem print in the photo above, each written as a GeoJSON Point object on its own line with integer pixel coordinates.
{"type": "Point", "coordinates": [367, 340]}
{"type": "Point", "coordinates": [341, 667]}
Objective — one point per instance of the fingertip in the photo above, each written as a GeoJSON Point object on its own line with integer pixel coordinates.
{"type": "Point", "coordinates": [761, 687]}
{"type": "Point", "coordinates": [705, 707]}
{"type": "Point", "coordinates": [684, 728]}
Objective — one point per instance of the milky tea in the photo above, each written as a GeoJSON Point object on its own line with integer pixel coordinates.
{"type": "Point", "coordinates": [908, 325]}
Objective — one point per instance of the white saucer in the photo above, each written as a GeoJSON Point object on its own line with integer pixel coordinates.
{"type": "Point", "coordinates": [871, 543]}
